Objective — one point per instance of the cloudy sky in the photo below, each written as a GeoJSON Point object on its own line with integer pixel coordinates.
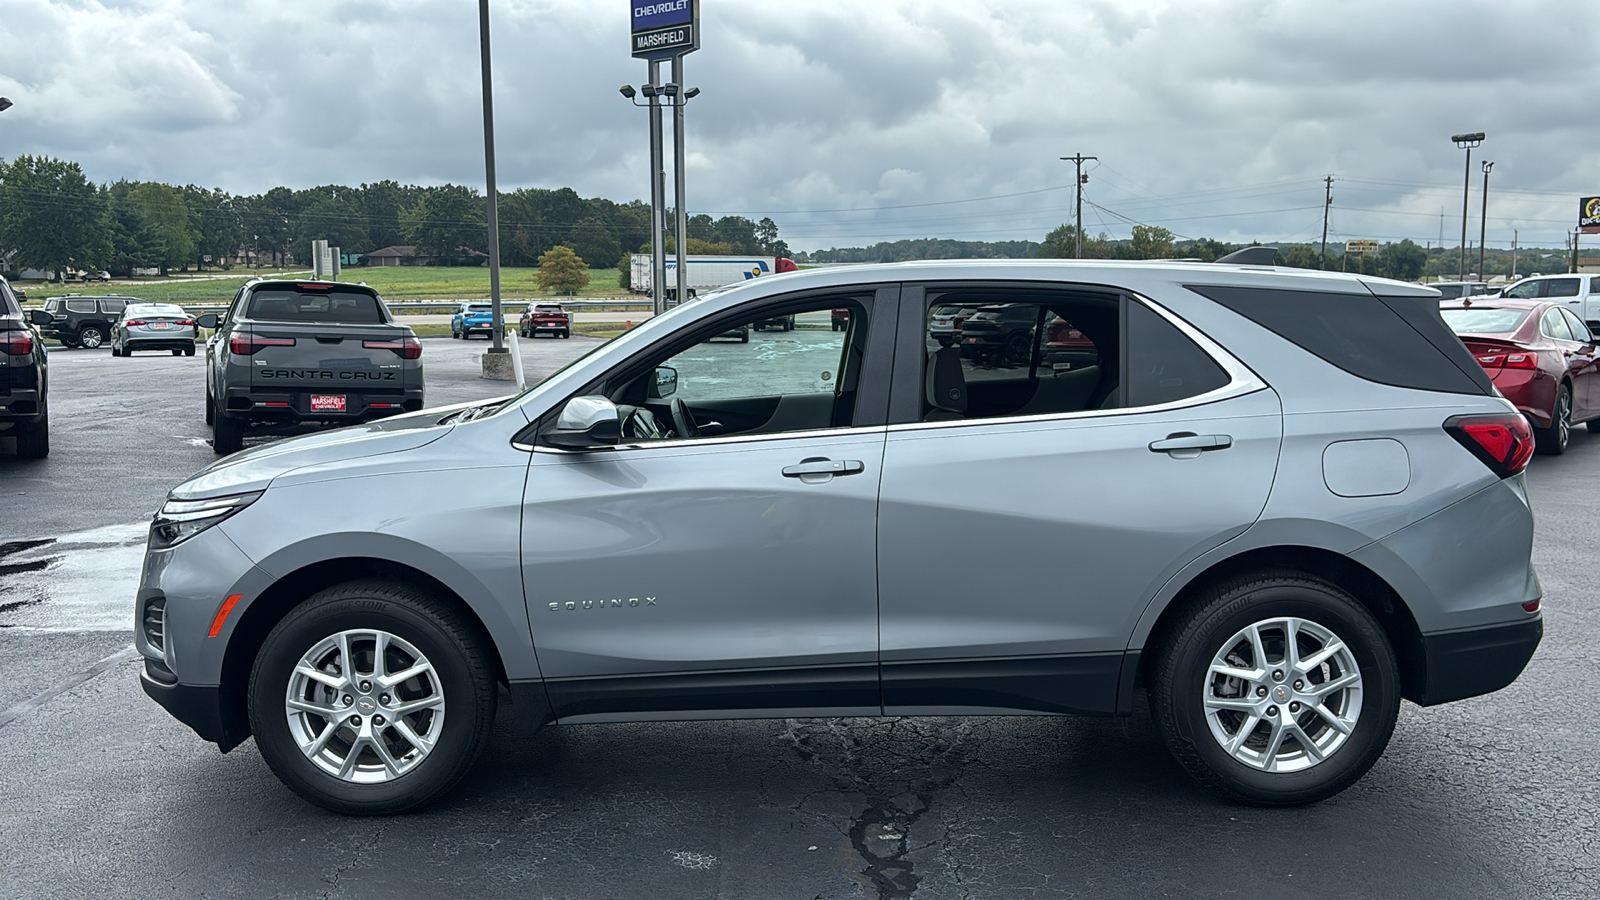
{"type": "Point", "coordinates": [854, 121]}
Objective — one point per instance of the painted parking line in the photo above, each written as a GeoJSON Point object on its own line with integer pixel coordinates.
{"type": "Point", "coordinates": [66, 684]}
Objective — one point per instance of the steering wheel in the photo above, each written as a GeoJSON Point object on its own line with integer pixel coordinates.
{"type": "Point", "coordinates": [683, 421]}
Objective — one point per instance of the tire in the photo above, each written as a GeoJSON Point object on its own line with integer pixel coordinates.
{"type": "Point", "coordinates": [211, 408]}
{"type": "Point", "coordinates": [455, 335]}
{"type": "Point", "coordinates": [91, 337]}
{"type": "Point", "coordinates": [227, 434]}
{"type": "Point", "coordinates": [421, 630]}
{"type": "Point", "coordinates": [33, 438]}
{"type": "Point", "coordinates": [1553, 441]}
{"type": "Point", "coordinates": [68, 343]}
{"type": "Point", "coordinates": [1018, 347]}
{"type": "Point", "coordinates": [177, 352]}
{"type": "Point", "coordinates": [188, 351]}
{"type": "Point", "coordinates": [1182, 678]}
{"type": "Point", "coordinates": [788, 324]}
{"type": "Point", "coordinates": [744, 337]}
{"type": "Point", "coordinates": [1593, 426]}
{"type": "Point", "coordinates": [566, 333]}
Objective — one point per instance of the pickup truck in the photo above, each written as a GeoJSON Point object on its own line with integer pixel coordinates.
{"type": "Point", "coordinates": [291, 353]}
{"type": "Point", "coordinates": [545, 318]}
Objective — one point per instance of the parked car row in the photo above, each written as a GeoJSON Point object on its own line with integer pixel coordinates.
{"type": "Point", "coordinates": [538, 318]}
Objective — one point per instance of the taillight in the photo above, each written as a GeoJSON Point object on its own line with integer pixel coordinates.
{"type": "Point", "coordinates": [132, 322]}
{"type": "Point", "coordinates": [405, 348]}
{"type": "Point", "coordinates": [1509, 361]}
{"type": "Point", "coordinates": [244, 345]}
{"type": "Point", "coordinates": [185, 322]}
{"type": "Point", "coordinates": [17, 343]}
{"type": "Point", "coordinates": [1502, 441]}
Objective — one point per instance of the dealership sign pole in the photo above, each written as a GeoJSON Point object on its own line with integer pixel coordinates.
{"type": "Point", "coordinates": [663, 30]}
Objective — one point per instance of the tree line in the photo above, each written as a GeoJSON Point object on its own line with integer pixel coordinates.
{"type": "Point", "coordinates": [52, 217]}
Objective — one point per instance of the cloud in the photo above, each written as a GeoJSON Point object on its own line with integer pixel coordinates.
{"type": "Point", "coordinates": [1211, 117]}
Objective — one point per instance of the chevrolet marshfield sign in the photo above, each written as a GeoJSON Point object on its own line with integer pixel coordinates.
{"type": "Point", "coordinates": [665, 28]}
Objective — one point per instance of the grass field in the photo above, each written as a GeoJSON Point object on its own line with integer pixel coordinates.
{"type": "Point", "coordinates": [395, 283]}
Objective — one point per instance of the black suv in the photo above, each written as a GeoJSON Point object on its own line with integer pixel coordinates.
{"type": "Point", "coordinates": [83, 321]}
{"type": "Point", "coordinates": [23, 411]}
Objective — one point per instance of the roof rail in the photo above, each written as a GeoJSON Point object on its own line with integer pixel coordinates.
{"type": "Point", "coordinates": [1252, 256]}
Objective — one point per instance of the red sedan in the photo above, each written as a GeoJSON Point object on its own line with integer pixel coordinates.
{"type": "Point", "coordinates": [1541, 357]}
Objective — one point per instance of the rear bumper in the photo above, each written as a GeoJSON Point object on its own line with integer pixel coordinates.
{"type": "Point", "coordinates": [1474, 661]}
{"type": "Point", "coordinates": [200, 708]}
{"type": "Point", "coordinates": [293, 407]}
{"type": "Point", "coordinates": [20, 405]}
{"type": "Point", "coordinates": [133, 343]}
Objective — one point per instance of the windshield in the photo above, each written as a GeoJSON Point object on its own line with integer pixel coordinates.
{"type": "Point", "coordinates": [1481, 320]}
{"type": "Point", "coordinates": [319, 306]}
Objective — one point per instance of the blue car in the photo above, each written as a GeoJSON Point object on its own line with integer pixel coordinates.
{"type": "Point", "coordinates": [473, 318]}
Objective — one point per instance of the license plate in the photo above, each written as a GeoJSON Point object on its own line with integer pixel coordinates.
{"type": "Point", "coordinates": [972, 340]}
{"type": "Point", "coordinates": [327, 403]}
{"type": "Point", "coordinates": [161, 326]}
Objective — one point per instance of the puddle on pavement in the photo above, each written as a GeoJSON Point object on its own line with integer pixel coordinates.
{"type": "Point", "coordinates": [84, 581]}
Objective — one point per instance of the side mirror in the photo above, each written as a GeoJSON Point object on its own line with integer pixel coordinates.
{"type": "Point", "coordinates": [663, 385]}
{"type": "Point", "coordinates": [39, 317]}
{"type": "Point", "coordinates": [586, 423]}
{"type": "Point", "coordinates": [209, 320]}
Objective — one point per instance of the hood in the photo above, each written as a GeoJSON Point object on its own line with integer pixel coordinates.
{"type": "Point", "coordinates": [254, 469]}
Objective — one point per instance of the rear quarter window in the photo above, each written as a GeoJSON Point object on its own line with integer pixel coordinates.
{"type": "Point", "coordinates": [1398, 341]}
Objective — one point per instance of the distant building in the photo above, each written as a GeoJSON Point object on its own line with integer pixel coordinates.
{"type": "Point", "coordinates": [398, 255]}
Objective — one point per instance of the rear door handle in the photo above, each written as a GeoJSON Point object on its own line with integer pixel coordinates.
{"type": "Point", "coordinates": [1188, 445]}
{"type": "Point", "coordinates": [819, 469]}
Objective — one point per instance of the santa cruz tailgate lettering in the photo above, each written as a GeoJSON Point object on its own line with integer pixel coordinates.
{"type": "Point", "coordinates": [324, 375]}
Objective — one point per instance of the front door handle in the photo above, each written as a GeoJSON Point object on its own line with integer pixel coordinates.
{"type": "Point", "coordinates": [819, 469]}
{"type": "Point", "coordinates": [1188, 445]}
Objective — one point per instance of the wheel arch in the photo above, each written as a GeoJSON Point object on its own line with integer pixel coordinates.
{"type": "Point", "coordinates": [1373, 592]}
{"type": "Point", "coordinates": [256, 621]}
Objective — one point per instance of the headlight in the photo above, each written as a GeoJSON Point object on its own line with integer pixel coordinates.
{"type": "Point", "coordinates": [180, 520]}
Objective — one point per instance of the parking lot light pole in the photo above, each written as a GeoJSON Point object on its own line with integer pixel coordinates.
{"type": "Point", "coordinates": [1466, 142]}
{"type": "Point", "coordinates": [494, 219]}
{"type": "Point", "coordinates": [1483, 220]}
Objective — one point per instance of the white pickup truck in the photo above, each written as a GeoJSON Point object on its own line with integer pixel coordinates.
{"type": "Point", "coordinates": [1581, 293]}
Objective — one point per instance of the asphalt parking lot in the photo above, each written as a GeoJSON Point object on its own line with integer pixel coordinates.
{"type": "Point", "coordinates": [103, 794]}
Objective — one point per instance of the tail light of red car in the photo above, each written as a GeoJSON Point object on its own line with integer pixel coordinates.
{"type": "Point", "coordinates": [245, 345]}
{"type": "Point", "coordinates": [1509, 360]}
{"type": "Point", "coordinates": [405, 348]}
{"type": "Point", "coordinates": [16, 343]}
{"type": "Point", "coordinates": [1501, 441]}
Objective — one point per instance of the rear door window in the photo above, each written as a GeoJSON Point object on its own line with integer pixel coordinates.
{"type": "Point", "coordinates": [353, 307]}
{"type": "Point", "coordinates": [81, 306]}
{"type": "Point", "coordinates": [1553, 326]}
{"type": "Point", "coordinates": [1562, 287]}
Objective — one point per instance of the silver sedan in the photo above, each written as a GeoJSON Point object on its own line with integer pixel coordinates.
{"type": "Point", "coordinates": [153, 326]}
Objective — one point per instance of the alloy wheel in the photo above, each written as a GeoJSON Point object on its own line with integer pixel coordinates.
{"type": "Point", "coordinates": [365, 706]}
{"type": "Point", "coordinates": [1282, 694]}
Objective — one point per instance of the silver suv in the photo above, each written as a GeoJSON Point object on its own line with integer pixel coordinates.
{"type": "Point", "coordinates": [1279, 501]}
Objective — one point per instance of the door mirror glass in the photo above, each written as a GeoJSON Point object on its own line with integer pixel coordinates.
{"type": "Point", "coordinates": [209, 320]}
{"type": "Point", "coordinates": [39, 317]}
{"type": "Point", "coordinates": [664, 384]}
{"type": "Point", "coordinates": [586, 423]}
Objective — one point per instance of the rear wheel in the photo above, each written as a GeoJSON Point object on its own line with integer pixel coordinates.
{"type": "Point", "coordinates": [1276, 689]}
{"type": "Point", "coordinates": [69, 343]}
{"type": "Point", "coordinates": [91, 336]}
{"type": "Point", "coordinates": [371, 698]}
{"type": "Point", "coordinates": [211, 408]}
{"type": "Point", "coordinates": [227, 434]}
{"type": "Point", "coordinates": [33, 438]}
{"type": "Point", "coordinates": [179, 352]}
{"type": "Point", "coordinates": [566, 333]}
{"type": "Point", "coordinates": [189, 350]}
{"type": "Point", "coordinates": [1553, 440]}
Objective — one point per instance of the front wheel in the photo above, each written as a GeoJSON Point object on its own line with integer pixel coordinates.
{"type": "Point", "coordinates": [1276, 689]}
{"type": "Point", "coordinates": [371, 698]}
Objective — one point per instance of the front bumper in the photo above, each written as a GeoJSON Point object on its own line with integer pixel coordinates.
{"type": "Point", "coordinates": [1473, 661]}
{"type": "Point", "coordinates": [200, 708]}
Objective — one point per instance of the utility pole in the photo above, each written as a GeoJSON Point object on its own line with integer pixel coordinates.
{"type": "Point", "coordinates": [1483, 221]}
{"type": "Point", "coordinates": [1513, 254]}
{"type": "Point", "coordinates": [1326, 208]}
{"type": "Point", "coordinates": [1079, 160]}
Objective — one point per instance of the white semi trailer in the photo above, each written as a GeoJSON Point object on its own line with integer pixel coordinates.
{"type": "Point", "coordinates": [706, 272]}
